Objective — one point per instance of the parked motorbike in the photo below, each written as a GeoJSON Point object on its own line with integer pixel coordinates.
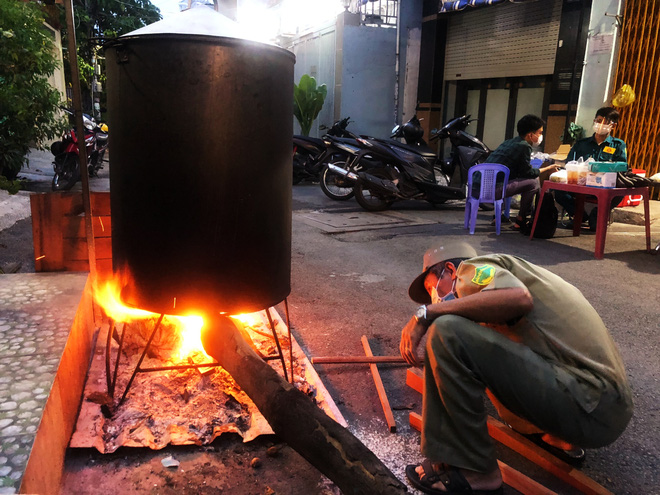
{"type": "Point", "coordinates": [339, 186]}
{"type": "Point", "coordinates": [67, 160]}
{"type": "Point", "coordinates": [310, 154]}
{"type": "Point", "coordinates": [415, 172]}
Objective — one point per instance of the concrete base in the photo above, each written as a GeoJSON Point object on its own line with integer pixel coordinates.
{"type": "Point", "coordinates": [46, 336]}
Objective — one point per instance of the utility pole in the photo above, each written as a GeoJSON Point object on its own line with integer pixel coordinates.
{"type": "Point", "coordinates": [80, 134]}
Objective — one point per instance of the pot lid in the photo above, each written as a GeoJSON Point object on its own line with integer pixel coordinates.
{"type": "Point", "coordinates": [199, 21]}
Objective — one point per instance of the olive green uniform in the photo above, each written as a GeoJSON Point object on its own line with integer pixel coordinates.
{"type": "Point", "coordinates": [557, 367]}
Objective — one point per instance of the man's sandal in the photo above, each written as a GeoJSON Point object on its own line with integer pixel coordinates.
{"type": "Point", "coordinates": [575, 456]}
{"type": "Point", "coordinates": [504, 220]}
{"type": "Point", "coordinates": [519, 223]}
{"type": "Point", "coordinates": [449, 476]}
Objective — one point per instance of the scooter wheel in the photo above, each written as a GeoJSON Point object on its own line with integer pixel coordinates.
{"type": "Point", "coordinates": [68, 173]}
{"type": "Point", "coordinates": [370, 200]}
{"type": "Point", "coordinates": [334, 185]}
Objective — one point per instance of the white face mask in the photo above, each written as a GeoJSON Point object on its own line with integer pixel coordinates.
{"type": "Point", "coordinates": [602, 129]}
{"type": "Point", "coordinates": [538, 143]}
{"type": "Point", "coordinates": [436, 298]}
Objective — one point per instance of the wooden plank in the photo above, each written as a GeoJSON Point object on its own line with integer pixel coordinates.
{"type": "Point", "coordinates": [528, 449]}
{"type": "Point", "coordinates": [389, 417]}
{"type": "Point", "coordinates": [74, 226]}
{"type": "Point", "coordinates": [100, 203]}
{"type": "Point", "coordinates": [415, 380]}
{"type": "Point", "coordinates": [75, 249]}
{"type": "Point", "coordinates": [524, 484]}
{"type": "Point", "coordinates": [357, 359]}
{"type": "Point", "coordinates": [47, 213]}
{"type": "Point", "coordinates": [515, 479]}
{"type": "Point", "coordinates": [415, 420]}
{"type": "Point", "coordinates": [56, 216]}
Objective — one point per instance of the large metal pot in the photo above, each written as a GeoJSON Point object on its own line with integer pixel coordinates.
{"type": "Point", "coordinates": [200, 180]}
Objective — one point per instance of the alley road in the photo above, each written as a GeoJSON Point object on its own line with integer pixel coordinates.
{"type": "Point", "coordinates": [351, 270]}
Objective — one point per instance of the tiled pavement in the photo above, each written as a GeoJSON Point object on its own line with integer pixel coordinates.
{"type": "Point", "coordinates": [36, 316]}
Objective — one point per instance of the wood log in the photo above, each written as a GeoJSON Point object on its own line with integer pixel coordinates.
{"type": "Point", "coordinates": [323, 442]}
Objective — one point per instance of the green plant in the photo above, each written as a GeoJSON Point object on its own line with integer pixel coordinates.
{"type": "Point", "coordinates": [574, 131]}
{"type": "Point", "coordinates": [28, 103]}
{"type": "Point", "coordinates": [11, 186]}
{"type": "Point", "coordinates": [307, 102]}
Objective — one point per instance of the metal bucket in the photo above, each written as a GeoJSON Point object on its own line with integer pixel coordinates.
{"type": "Point", "coordinates": [201, 171]}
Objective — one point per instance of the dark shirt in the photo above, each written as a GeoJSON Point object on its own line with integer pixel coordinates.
{"type": "Point", "coordinates": [610, 150]}
{"type": "Point", "coordinates": [515, 154]}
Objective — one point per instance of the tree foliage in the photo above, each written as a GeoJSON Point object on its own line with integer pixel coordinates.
{"type": "Point", "coordinates": [97, 20]}
{"type": "Point", "coordinates": [28, 103]}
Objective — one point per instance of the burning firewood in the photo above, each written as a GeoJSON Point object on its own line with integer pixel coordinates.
{"type": "Point", "coordinates": [328, 446]}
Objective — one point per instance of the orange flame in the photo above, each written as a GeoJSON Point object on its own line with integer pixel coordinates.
{"type": "Point", "coordinates": [107, 295]}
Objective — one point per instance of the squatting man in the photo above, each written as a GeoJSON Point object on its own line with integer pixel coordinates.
{"type": "Point", "coordinates": [501, 325]}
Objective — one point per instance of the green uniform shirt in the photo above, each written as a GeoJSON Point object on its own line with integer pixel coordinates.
{"type": "Point", "coordinates": [515, 154]}
{"type": "Point", "coordinates": [610, 150]}
{"type": "Point", "coordinates": [563, 327]}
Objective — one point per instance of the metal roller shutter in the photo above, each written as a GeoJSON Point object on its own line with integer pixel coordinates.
{"type": "Point", "coordinates": [503, 41]}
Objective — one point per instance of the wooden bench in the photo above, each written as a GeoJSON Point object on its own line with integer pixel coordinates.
{"type": "Point", "coordinates": [518, 443]}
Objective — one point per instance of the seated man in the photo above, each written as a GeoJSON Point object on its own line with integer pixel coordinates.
{"type": "Point", "coordinates": [515, 153]}
{"type": "Point", "coordinates": [602, 147]}
{"type": "Point", "coordinates": [499, 323]}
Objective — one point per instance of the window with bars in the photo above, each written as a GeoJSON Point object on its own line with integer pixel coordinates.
{"type": "Point", "coordinates": [379, 12]}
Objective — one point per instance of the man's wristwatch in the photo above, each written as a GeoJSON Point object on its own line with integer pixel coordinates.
{"type": "Point", "coordinates": [420, 314]}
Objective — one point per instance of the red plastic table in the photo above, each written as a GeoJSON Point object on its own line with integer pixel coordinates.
{"type": "Point", "coordinates": [604, 197]}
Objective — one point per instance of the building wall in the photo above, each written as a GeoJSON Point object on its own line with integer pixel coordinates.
{"type": "Point", "coordinates": [315, 56]}
{"type": "Point", "coordinates": [599, 62]}
{"type": "Point", "coordinates": [357, 64]}
{"type": "Point", "coordinates": [410, 38]}
{"type": "Point", "coordinates": [367, 75]}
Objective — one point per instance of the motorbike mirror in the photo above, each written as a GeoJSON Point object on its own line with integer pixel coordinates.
{"type": "Point", "coordinates": [88, 123]}
{"type": "Point", "coordinates": [395, 129]}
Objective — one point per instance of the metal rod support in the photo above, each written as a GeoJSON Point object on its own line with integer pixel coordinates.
{"type": "Point", "coordinates": [288, 330]}
{"type": "Point", "coordinates": [144, 353]}
{"type": "Point", "coordinates": [277, 343]}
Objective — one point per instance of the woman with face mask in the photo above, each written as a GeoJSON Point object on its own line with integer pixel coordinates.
{"type": "Point", "coordinates": [515, 154]}
{"type": "Point", "coordinates": [600, 146]}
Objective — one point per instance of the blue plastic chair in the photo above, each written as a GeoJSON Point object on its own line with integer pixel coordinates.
{"type": "Point", "coordinates": [488, 193]}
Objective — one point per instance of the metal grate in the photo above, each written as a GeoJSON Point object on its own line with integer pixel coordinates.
{"type": "Point", "coordinates": [379, 12]}
{"type": "Point", "coordinates": [639, 66]}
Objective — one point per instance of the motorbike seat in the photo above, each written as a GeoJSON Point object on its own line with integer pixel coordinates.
{"type": "Point", "coordinates": [312, 140]}
{"type": "Point", "coordinates": [346, 140]}
{"type": "Point", "coordinates": [423, 150]}
{"type": "Point", "coordinates": [101, 136]}
{"type": "Point", "coordinates": [418, 149]}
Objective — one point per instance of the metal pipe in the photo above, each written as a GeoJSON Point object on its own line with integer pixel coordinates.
{"type": "Point", "coordinates": [397, 63]}
{"type": "Point", "coordinates": [357, 359]}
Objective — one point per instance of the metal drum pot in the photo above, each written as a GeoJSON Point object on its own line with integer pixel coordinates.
{"type": "Point", "coordinates": [201, 169]}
